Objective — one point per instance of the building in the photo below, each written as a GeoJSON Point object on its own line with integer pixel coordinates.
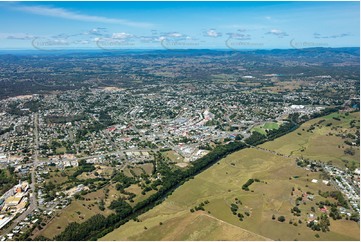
{"type": "Point", "coordinates": [4, 221]}
{"type": "Point", "coordinates": [21, 187]}
{"type": "Point", "coordinates": [13, 200]}
{"type": "Point", "coordinates": [297, 107]}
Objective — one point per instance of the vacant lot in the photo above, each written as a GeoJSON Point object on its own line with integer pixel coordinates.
{"type": "Point", "coordinates": [81, 210]}
{"type": "Point", "coordinates": [75, 212]}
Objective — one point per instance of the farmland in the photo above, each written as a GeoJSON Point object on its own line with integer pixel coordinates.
{"type": "Point", "coordinates": [321, 139]}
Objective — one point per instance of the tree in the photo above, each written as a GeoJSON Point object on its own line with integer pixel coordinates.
{"type": "Point", "coordinates": [281, 219]}
{"type": "Point", "coordinates": [349, 151]}
{"type": "Point", "coordinates": [101, 205]}
{"type": "Point", "coordinates": [355, 217]}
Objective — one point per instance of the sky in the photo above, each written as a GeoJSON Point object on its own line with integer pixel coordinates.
{"type": "Point", "coordinates": [178, 25]}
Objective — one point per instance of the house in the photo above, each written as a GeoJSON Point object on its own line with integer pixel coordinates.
{"type": "Point", "coordinates": [323, 210]}
{"type": "Point", "coordinates": [325, 182]}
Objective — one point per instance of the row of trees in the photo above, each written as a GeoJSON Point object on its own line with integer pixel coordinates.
{"type": "Point", "coordinates": [247, 184]}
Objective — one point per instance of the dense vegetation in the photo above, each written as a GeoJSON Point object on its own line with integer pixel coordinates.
{"type": "Point", "coordinates": [83, 167]}
{"type": "Point", "coordinates": [7, 179]}
{"type": "Point", "coordinates": [3, 131]}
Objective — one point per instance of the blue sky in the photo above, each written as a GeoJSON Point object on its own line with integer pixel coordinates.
{"type": "Point", "coordinates": [173, 25]}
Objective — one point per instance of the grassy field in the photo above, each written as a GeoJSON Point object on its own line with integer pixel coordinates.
{"type": "Point", "coordinates": [80, 210]}
{"type": "Point", "coordinates": [222, 184]}
{"type": "Point", "coordinates": [320, 143]}
{"type": "Point", "coordinates": [58, 177]}
{"type": "Point", "coordinates": [267, 126]}
{"type": "Point", "coordinates": [148, 168]}
{"type": "Point", "coordinates": [60, 150]}
{"type": "Point", "coordinates": [173, 156]}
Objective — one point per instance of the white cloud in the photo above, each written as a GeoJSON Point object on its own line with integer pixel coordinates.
{"type": "Point", "coordinates": [239, 36]}
{"type": "Point", "coordinates": [175, 35]}
{"type": "Point", "coordinates": [66, 14]}
{"type": "Point", "coordinates": [17, 36]}
{"type": "Point", "coordinates": [275, 31]}
{"type": "Point", "coordinates": [335, 36]}
{"type": "Point", "coordinates": [121, 35]}
{"type": "Point", "coordinates": [213, 33]}
{"type": "Point", "coordinates": [278, 33]}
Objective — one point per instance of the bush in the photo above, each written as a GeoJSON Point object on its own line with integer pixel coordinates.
{"type": "Point", "coordinates": [281, 219]}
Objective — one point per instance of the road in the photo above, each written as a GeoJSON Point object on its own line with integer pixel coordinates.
{"type": "Point", "coordinates": [33, 203]}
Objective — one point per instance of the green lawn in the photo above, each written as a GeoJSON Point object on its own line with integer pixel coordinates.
{"type": "Point", "coordinates": [267, 126]}
{"type": "Point", "coordinates": [318, 144]}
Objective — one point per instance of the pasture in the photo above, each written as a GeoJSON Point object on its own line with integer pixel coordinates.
{"type": "Point", "coordinates": [323, 143]}
{"type": "Point", "coordinates": [221, 185]}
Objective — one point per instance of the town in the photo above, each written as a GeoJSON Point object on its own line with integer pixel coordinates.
{"type": "Point", "coordinates": [64, 148]}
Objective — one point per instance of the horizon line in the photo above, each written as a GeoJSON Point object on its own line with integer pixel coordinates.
{"type": "Point", "coordinates": [150, 49]}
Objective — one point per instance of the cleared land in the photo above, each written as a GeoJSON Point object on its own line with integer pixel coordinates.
{"type": "Point", "coordinates": [267, 126]}
{"type": "Point", "coordinates": [221, 185]}
{"type": "Point", "coordinates": [325, 142]}
{"type": "Point", "coordinates": [79, 211]}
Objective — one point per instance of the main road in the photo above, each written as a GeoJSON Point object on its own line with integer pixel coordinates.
{"type": "Point", "coordinates": [33, 203]}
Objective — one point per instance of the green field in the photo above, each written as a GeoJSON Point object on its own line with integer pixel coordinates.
{"type": "Point", "coordinates": [173, 156]}
{"type": "Point", "coordinates": [222, 184]}
{"type": "Point", "coordinates": [79, 211]}
{"type": "Point", "coordinates": [323, 143]}
{"type": "Point", "coordinates": [267, 126]}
